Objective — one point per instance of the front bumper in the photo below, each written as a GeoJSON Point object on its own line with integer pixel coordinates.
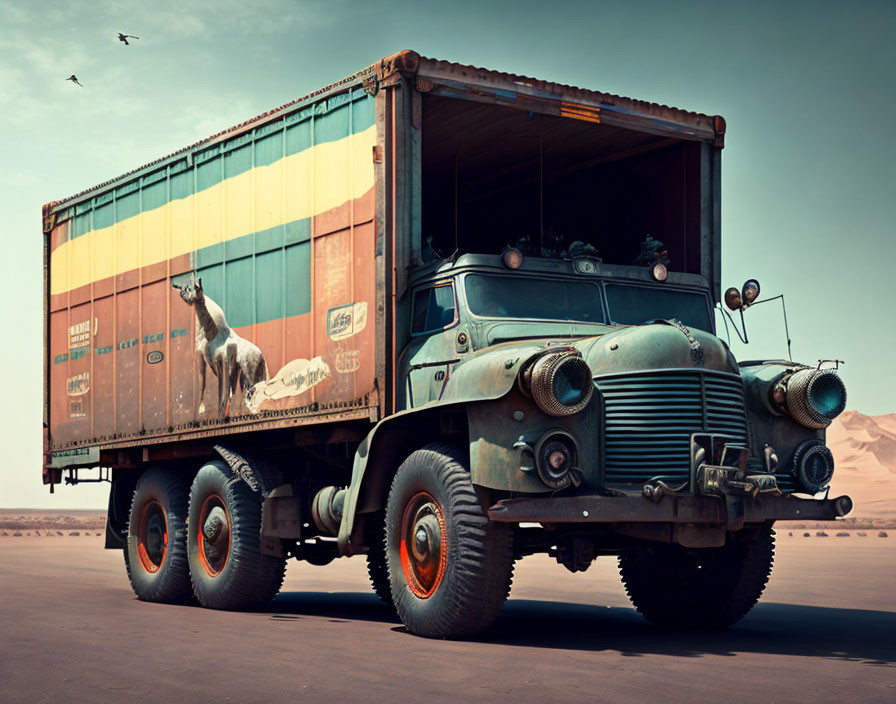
{"type": "Point", "coordinates": [635, 508]}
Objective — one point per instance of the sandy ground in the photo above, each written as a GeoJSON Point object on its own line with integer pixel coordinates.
{"type": "Point", "coordinates": [71, 630]}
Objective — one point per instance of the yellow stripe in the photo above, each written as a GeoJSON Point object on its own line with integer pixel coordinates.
{"type": "Point", "coordinates": [296, 187]}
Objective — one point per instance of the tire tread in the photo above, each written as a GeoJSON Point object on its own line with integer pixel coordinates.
{"type": "Point", "coordinates": [666, 585]}
{"type": "Point", "coordinates": [482, 574]}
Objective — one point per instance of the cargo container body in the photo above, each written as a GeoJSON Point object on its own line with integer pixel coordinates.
{"type": "Point", "coordinates": [441, 316]}
{"type": "Point", "coordinates": [277, 223]}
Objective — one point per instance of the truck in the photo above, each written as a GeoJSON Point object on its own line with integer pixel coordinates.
{"type": "Point", "coordinates": [440, 316]}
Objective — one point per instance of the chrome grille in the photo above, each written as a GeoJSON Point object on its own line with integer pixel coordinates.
{"type": "Point", "coordinates": [650, 417]}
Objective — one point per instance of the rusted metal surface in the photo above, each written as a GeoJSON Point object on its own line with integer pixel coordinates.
{"type": "Point", "coordinates": [410, 62]}
{"type": "Point", "coordinates": [609, 509]}
{"type": "Point", "coordinates": [512, 88]}
{"type": "Point", "coordinates": [198, 295]}
{"type": "Point", "coordinates": [672, 509]}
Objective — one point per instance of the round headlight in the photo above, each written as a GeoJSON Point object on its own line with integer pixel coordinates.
{"type": "Point", "coordinates": [813, 465]}
{"type": "Point", "coordinates": [561, 383]}
{"type": "Point", "coordinates": [658, 271]}
{"type": "Point", "coordinates": [814, 397]}
{"type": "Point", "coordinates": [555, 455]}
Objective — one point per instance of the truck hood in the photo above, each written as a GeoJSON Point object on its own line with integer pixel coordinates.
{"type": "Point", "coordinates": [491, 372]}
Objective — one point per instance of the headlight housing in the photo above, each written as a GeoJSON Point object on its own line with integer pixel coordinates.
{"type": "Point", "coordinates": [814, 397]}
{"type": "Point", "coordinates": [559, 381]}
{"type": "Point", "coordinates": [813, 466]}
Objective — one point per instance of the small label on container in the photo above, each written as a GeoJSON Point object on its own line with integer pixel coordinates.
{"type": "Point", "coordinates": [346, 320]}
{"type": "Point", "coordinates": [79, 384]}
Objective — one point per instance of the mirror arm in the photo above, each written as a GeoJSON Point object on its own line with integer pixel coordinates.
{"type": "Point", "coordinates": [741, 337]}
{"type": "Point", "coordinates": [784, 311]}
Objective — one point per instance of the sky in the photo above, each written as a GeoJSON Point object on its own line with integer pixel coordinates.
{"type": "Point", "coordinates": [806, 88]}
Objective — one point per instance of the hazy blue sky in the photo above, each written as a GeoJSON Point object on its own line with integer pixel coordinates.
{"type": "Point", "coordinates": [807, 89]}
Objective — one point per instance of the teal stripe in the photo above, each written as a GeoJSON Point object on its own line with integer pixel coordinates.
{"type": "Point", "coordinates": [245, 275]}
{"type": "Point", "coordinates": [327, 121]}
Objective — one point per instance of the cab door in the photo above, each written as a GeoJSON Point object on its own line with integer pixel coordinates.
{"type": "Point", "coordinates": [431, 354]}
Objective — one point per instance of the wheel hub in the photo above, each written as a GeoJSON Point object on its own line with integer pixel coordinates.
{"type": "Point", "coordinates": [152, 536]}
{"type": "Point", "coordinates": [214, 535]}
{"type": "Point", "coordinates": [423, 544]}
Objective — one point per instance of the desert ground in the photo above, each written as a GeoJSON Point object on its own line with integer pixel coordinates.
{"type": "Point", "coordinates": [73, 631]}
{"type": "Point", "coordinates": [825, 630]}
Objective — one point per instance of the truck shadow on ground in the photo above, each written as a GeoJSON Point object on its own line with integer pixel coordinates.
{"type": "Point", "coordinates": [777, 629]}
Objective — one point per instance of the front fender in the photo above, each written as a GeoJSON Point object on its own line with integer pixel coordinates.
{"type": "Point", "coordinates": [488, 374]}
{"type": "Point", "coordinates": [483, 377]}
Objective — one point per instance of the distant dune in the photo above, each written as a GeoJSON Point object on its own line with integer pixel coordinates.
{"type": "Point", "coordinates": [864, 450]}
{"type": "Point", "coordinates": [51, 520]}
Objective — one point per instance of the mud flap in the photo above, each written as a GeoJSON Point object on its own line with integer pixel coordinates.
{"type": "Point", "coordinates": [280, 515]}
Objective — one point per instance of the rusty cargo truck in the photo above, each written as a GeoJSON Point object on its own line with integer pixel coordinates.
{"type": "Point", "coordinates": [439, 316]}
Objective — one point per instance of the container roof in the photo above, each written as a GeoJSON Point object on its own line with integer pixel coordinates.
{"type": "Point", "coordinates": [471, 80]}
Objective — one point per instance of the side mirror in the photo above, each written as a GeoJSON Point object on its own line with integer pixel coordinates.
{"type": "Point", "coordinates": [738, 300]}
{"type": "Point", "coordinates": [750, 291]}
{"type": "Point", "coordinates": [733, 299]}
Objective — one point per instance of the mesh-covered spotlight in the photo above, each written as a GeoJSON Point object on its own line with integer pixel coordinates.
{"type": "Point", "coordinates": [814, 397]}
{"type": "Point", "coordinates": [560, 382]}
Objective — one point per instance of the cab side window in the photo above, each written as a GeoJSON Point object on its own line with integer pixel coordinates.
{"type": "Point", "coordinates": [433, 309]}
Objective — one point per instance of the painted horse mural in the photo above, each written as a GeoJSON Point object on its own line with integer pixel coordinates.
{"type": "Point", "coordinates": [234, 360]}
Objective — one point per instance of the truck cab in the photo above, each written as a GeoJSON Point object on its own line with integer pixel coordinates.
{"type": "Point", "coordinates": [465, 306]}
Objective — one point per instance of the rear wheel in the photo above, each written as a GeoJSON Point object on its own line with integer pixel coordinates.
{"type": "Point", "coordinates": [227, 567]}
{"type": "Point", "coordinates": [708, 588]}
{"type": "Point", "coordinates": [156, 554]}
{"type": "Point", "coordinates": [450, 569]}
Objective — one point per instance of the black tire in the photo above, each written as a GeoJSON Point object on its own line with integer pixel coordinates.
{"type": "Point", "coordinates": [377, 563]}
{"type": "Point", "coordinates": [474, 568]}
{"type": "Point", "coordinates": [156, 553]}
{"type": "Point", "coordinates": [228, 569]}
{"type": "Point", "coordinates": [705, 588]}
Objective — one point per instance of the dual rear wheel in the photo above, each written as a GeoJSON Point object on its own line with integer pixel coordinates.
{"type": "Point", "coordinates": [200, 540]}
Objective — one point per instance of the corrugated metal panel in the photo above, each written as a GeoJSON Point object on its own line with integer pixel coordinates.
{"type": "Point", "coordinates": [276, 223]}
{"type": "Point", "coordinates": [510, 88]}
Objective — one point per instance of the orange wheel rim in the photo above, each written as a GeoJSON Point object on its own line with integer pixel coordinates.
{"type": "Point", "coordinates": [424, 544]}
{"type": "Point", "coordinates": [152, 536]}
{"type": "Point", "coordinates": [213, 535]}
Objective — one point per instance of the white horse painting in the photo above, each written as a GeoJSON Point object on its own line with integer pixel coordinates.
{"type": "Point", "coordinates": [235, 361]}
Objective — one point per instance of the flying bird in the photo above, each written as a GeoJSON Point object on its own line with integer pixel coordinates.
{"type": "Point", "coordinates": [124, 38]}
{"type": "Point", "coordinates": [74, 79]}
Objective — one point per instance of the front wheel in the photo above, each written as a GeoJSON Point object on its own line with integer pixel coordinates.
{"type": "Point", "coordinates": [705, 588]}
{"type": "Point", "coordinates": [450, 568]}
{"type": "Point", "coordinates": [227, 567]}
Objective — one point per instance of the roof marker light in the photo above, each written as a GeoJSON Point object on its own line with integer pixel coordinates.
{"type": "Point", "coordinates": [512, 258]}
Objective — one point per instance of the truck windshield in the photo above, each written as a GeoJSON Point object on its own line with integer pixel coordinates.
{"type": "Point", "coordinates": [528, 298]}
{"type": "Point", "coordinates": [631, 305]}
